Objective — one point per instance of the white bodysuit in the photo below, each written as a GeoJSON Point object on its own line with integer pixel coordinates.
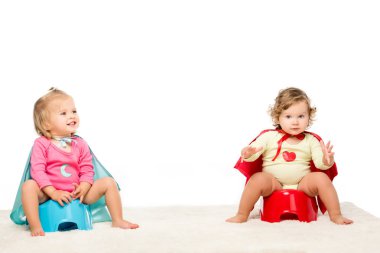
{"type": "Point", "coordinates": [293, 162]}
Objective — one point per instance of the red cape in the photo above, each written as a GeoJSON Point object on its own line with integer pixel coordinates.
{"type": "Point", "coordinates": [250, 168]}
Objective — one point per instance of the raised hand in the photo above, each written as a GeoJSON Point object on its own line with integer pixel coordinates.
{"type": "Point", "coordinates": [248, 151]}
{"type": "Point", "coordinates": [328, 155]}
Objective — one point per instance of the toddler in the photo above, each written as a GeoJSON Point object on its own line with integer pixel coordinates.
{"type": "Point", "coordinates": [61, 164]}
{"type": "Point", "coordinates": [287, 154]}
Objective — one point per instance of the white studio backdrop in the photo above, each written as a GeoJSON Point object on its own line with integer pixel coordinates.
{"type": "Point", "coordinates": [170, 91]}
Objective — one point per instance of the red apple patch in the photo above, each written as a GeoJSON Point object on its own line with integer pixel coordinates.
{"type": "Point", "coordinates": [289, 156]}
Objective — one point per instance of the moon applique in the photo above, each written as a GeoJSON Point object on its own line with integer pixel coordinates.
{"type": "Point", "coordinates": [64, 172]}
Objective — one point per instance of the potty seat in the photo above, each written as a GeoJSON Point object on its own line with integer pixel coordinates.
{"type": "Point", "coordinates": [289, 204]}
{"type": "Point", "coordinates": [74, 215]}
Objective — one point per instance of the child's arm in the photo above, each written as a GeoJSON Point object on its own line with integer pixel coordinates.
{"type": "Point", "coordinates": [328, 155]}
{"type": "Point", "coordinates": [38, 163]}
{"type": "Point", "coordinates": [254, 150]}
{"type": "Point", "coordinates": [86, 168]}
{"type": "Point", "coordinates": [86, 172]}
{"type": "Point", "coordinates": [322, 154]}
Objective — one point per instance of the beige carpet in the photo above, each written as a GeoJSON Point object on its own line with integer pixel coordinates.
{"type": "Point", "coordinates": [202, 229]}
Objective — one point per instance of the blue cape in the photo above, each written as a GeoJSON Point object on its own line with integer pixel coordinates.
{"type": "Point", "coordinates": [99, 210]}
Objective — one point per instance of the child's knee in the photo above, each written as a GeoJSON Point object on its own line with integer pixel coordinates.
{"type": "Point", "coordinates": [109, 182]}
{"type": "Point", "coordinates": [263, 182]}
{"type": "Point", "coordinates": [29, 186]}
{"type": "Point", "coordinates": [321, 178]}
{"type": "Point", "coordinates": [314, 183]}
{"type": "Point", "coordinates": [260, 178]}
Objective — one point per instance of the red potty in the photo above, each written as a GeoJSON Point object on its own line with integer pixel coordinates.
{"type": "Point", "coordinates": [289, 205]}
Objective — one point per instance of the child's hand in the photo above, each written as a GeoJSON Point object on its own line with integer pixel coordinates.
{"type": "Point", "coordinates": [61, 196]}
{"type": "Point", "coordinates": [249, 151]}
{"type": "Point", "coordinates": [328, 155]}
{"type": "Point", "coordinates": [80, 190]}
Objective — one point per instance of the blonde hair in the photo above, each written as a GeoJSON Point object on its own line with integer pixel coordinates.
{"type": "Point", "coordinates": [41, 113]}
{"type": "Point", "coordinates": [287, 98]}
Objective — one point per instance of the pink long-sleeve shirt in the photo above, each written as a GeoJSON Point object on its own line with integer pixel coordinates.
{"type": "Point", "coordinates": [53, 166]}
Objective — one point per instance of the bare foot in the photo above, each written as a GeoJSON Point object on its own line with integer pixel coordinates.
{"type": "Point", "coordinates": [38, 231]}
{"type": "Point", "coordinates": [239, 218]}
{"type": "Point", "coordinates": [339, 219]}
{"type": "Point", "coordinates": [124, 224]}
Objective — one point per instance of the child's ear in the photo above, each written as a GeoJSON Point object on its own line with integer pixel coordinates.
{"type": "Point", "coordinates": [46, 126]}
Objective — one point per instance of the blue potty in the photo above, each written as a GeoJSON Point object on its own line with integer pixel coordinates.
{"type": "Point", "coordinates": [55, 217]}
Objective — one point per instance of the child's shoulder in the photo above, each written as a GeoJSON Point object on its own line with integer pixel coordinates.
{"type": "Point", "coordinates": [267, 134]}
{"type": "Point", "coordinates": [79, 140]}
{"type": "Point", "coordinates": [41, 143]}
{"type": "Point", "coordinates": [312, 136]}
{"type": "Point", "coordinates": [42, 140]}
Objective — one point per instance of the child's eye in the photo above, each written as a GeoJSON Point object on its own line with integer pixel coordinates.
{"type": "Point", "coordinates": [301, 116]}
{"type": "Point", "coordinates": [75, 111]}
{"type": "Point", "coordinates": [288, 116]}
{"type": "Point", "coordinates": [63, 113]}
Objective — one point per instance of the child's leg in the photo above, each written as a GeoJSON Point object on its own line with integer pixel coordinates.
{"type": "Point", "coordinates": [31, 197]}
{"type": "Point", "coordinates": [318, 183]}
{"type": "Point", "coordinates": [107, 186]}
{"type": "Point", "coordinates": [260, 184]}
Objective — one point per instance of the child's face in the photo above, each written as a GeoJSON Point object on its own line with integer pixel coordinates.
{"type": "Point", "coordinates": [295, 119]}
{"type": "Point", "coordinates": [63, 117]}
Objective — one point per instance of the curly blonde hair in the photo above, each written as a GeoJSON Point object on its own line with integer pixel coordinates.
{"type": "Point", "coordinates": [286, 98]}
{"type": "Point", "coordinates": [41, 113]}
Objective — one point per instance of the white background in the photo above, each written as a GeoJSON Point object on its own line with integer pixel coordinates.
{"type": "Point", "coordinates": [170, 91]}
